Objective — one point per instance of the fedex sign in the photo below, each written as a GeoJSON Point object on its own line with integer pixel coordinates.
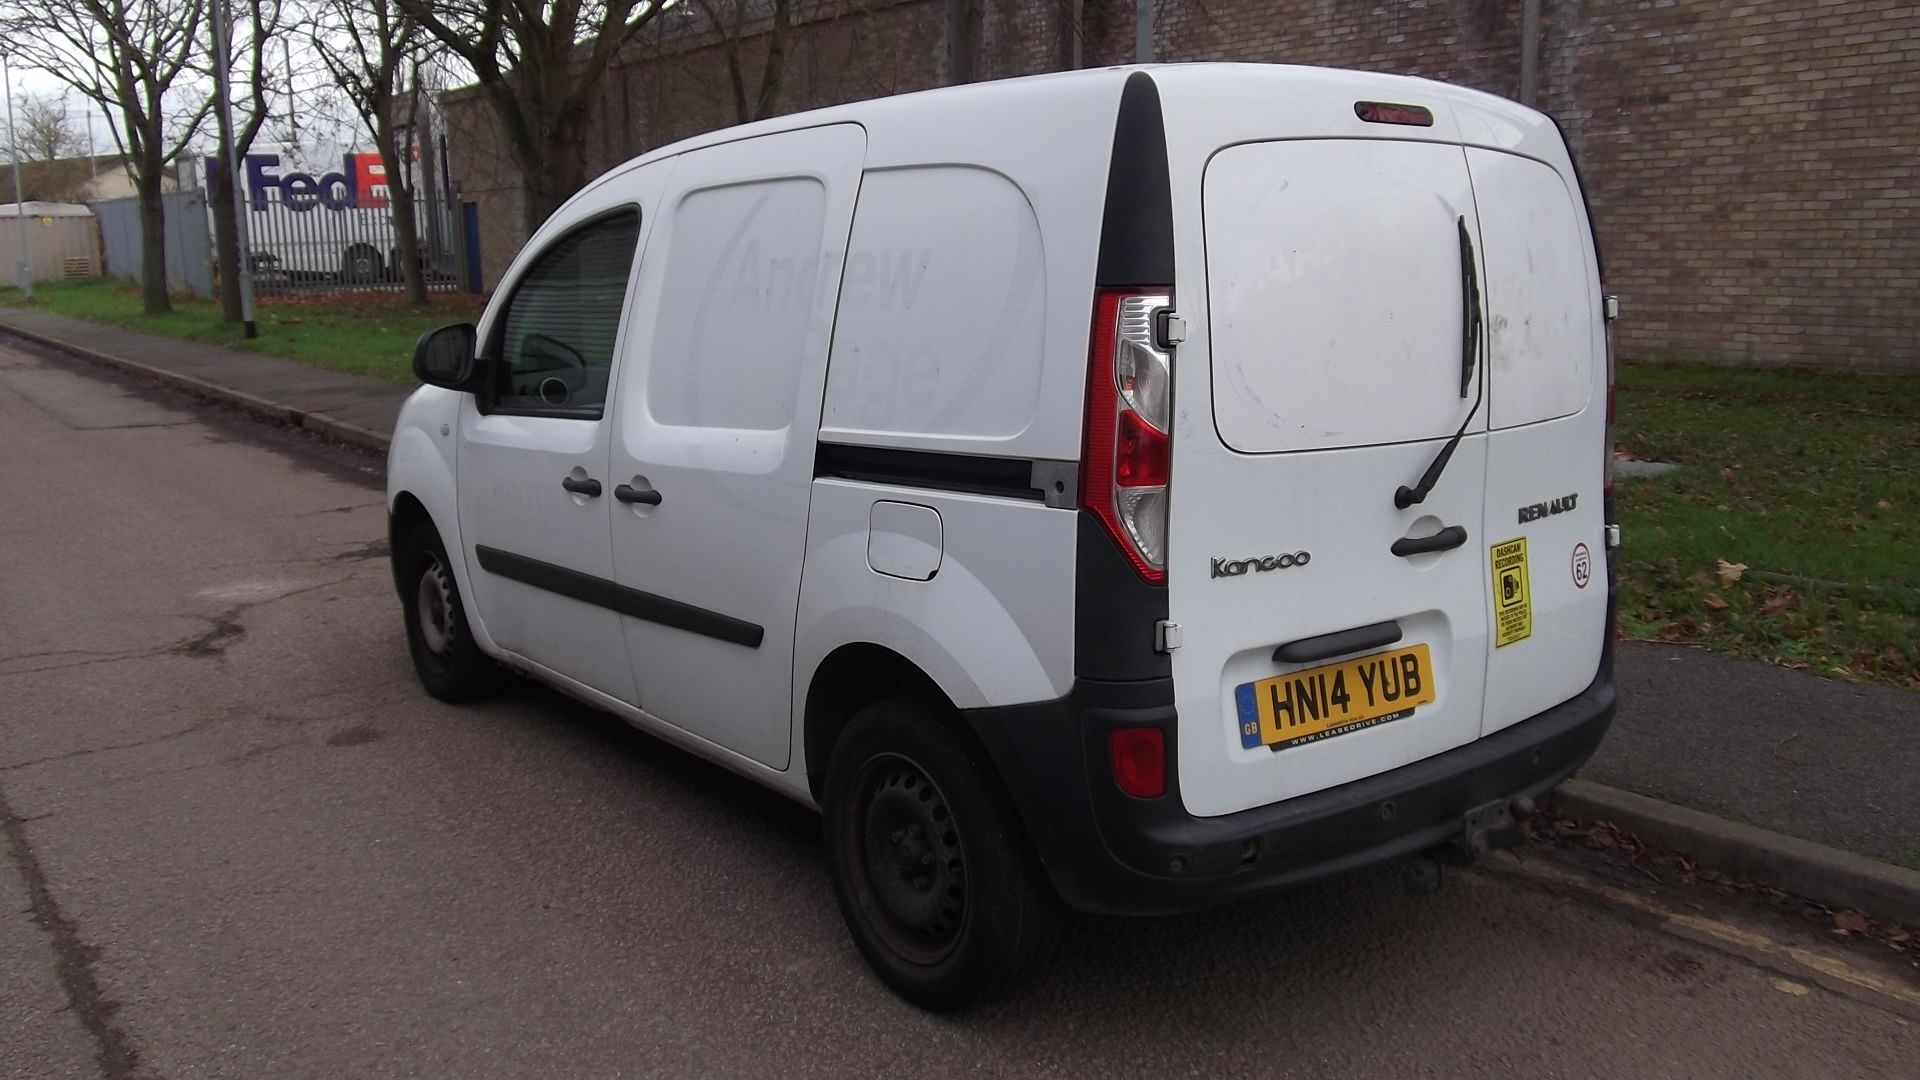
{"type": "Point", "coordinates": [362, 181]}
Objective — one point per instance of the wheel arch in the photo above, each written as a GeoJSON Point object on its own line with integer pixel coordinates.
{"type": "Point", "coordinates": [847, 680]}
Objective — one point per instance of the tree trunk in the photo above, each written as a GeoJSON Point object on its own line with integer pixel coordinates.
{"type": "Point", "coordinates": [963, 19]}
{"type": "Point", "coordinates": [400, 205]}
{"type": "Point", "coordinates": [550, 173]}
{"type": "Point", "coordinates": [221, 192]}
{"type": "Point", "coordinates": [153, 238]}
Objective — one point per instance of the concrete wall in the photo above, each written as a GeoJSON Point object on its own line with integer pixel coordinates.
{"type": "Point", "coordinates": [1751, 165]}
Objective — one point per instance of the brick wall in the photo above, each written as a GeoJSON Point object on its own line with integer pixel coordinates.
{"type": "Point", "coordinates": [1751, 166]}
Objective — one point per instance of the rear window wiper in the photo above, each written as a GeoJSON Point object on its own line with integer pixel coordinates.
{"type": "Point", "coordinates": [1469, 357]}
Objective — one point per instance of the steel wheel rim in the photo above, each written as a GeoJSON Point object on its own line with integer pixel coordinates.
{"type": "Point", "coordinates": [909, 860]}
{"type": "Point", "coordinates": [433, 609]}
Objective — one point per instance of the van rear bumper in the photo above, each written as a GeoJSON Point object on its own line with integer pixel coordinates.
{"type": "Point", "coordinates": [1107, 851]}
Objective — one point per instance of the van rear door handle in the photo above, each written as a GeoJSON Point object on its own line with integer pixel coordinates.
{"type": "Point", "coordinates": [1445, 540]}
{"type": "Point", "coordinates": [588, 487]}
{"type": "Point", "coordinates": [1339, 643]}
{"type": "Point", "coordinates": [627, 493]}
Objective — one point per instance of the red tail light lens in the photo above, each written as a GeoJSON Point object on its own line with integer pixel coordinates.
{"type": "Point", "coordinates": [1139, 760]}
{"type": "Point", "coordinates": [1129, 414]}
{"type": "Point", "coordinates": [1140, 460]}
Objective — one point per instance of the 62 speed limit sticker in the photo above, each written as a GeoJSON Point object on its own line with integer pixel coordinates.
{"type": "Point", "coordinates": [1582, 566]}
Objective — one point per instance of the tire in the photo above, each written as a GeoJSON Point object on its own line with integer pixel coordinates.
{"type": "Point", "coordinates": [933, 871]}
{"type": "Point", "coordinates": [361, 265]}
{"type": "Point", "coordinates": [450, 665]}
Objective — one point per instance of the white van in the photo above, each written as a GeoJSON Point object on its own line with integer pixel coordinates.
{"type": "Point", "coordinates": [1139, 488]}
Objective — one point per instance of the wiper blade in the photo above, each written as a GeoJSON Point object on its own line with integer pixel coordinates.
{"type": "Point", "coordinates": [1469, 357]}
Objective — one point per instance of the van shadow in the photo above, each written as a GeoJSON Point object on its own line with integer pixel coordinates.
{"type": "Point", "coordinates": [1325, 942]}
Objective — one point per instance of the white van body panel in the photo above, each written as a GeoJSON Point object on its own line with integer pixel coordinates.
{"type": "Point", "coordinates": [1048, 138]}
{"type": "Point", "coordinates": [718, 412]}
{"type": "Point", "coordinates": [420, 462]}
{"type": "Point", "coordinates": [1282, 332]}
{"type": "Point", "coordinates": [986, 628]}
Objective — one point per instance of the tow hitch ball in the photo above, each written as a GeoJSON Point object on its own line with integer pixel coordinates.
{"type": "Point", "coordinates": [1484, 829]}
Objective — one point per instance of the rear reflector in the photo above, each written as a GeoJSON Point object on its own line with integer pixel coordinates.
{"type": "Point", "coordinates": [1139, 760]}
{"type": "Point", "coordinates": [1381, 112]}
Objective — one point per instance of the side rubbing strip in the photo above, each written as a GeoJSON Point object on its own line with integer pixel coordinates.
{"type": "Point", "coordinates": [603, 593]}
{"type": "Point", "coordinates": [1011, 478]}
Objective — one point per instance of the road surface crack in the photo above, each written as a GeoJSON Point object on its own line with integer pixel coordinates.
{"type": "Point", "coordinates": [73, 959]}
{"type": "Point", "coordinates": [225, 628]}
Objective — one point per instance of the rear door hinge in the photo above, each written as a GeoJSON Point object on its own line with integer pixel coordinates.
{"type": "Point", "coordinates": [1169, 329]}
{"type": "Point", "coordinates": [1166, 636]}
{"type": "Point", "coordinates": [1613, 537]}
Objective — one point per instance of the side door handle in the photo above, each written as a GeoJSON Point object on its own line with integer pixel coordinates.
{"type": "Point", "coordinates": [1445, 540]}
{"type": "Point", "coordinates": [627, 493]}
{"type": "Point", "coordinates": [588, 486]}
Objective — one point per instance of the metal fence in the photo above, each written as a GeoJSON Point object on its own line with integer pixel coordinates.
{"type": "Point", "coordinates": [306, 245]}
{"type": "Point", "coordinates": [189, 253]}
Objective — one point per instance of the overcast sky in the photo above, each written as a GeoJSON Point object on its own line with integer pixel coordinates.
{"type": "Point", "coordinates": [321, 139]}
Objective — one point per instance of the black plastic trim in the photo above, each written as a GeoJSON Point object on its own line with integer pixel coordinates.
{"type": "Point", "coordinates": [1010, 478]}
{"type": "Point", "coordinates": [1115, 611]}
{"type": "Point", "coordinates": [1445, 540]}
{"type": "Point", "coordinates": [1136, 233]}
{"type": "Point", "coordinates": [1106, 851]}
{"type": "Point", "coordinates": [1586, 203]}
{"type": "Point", "coordinates": [1338, 643]}
{"type": "Point", "coordinates": [616, 597]}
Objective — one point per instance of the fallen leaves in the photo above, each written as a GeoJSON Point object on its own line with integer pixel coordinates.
{"type": "Point", "coordinates": [1715, 603]}
{"type": "Point", "coordinates": [1729, 572]}
{"type": "Point", "coordinates": [1849, 922]}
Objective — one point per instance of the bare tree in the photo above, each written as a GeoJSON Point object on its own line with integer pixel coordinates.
{"type": "Point", "coordinates": [126, 55]}
{"type": "Point", "coordinates": [251, 90]}
{"type": "Point", "coordinates": [541, 65]}
{"type": "Point", "coordinates": [370, 46]}
{"type": "Point", "coordinates": [729, 19]}
{"type": "Point", "coordinates": [45, 133]}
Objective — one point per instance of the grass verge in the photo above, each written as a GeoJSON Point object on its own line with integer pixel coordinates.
{"type": "Point", "coordinates": [362, 333]}
{"type": "Point", "coordinates": [1788, 534]}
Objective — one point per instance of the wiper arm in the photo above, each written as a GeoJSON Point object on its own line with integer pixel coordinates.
{"type": "Point", "coordinates": [1469, 356]}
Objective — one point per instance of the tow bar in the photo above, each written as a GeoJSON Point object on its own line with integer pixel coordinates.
{"type": "Point", "coordinates": [1484, 830]}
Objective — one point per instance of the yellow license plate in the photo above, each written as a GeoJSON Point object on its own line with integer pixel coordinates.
{"type": "Point", "coordinates": [1319, 703]}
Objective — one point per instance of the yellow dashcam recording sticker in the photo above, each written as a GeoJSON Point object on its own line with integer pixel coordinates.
{"type": "Point", "coordinates": [1512, 596]}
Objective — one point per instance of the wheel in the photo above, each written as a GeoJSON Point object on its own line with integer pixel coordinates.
{"type": "Point", "coordinates": [361, 265]}
{"type": "Point", "coordinates": [933, 872]}
{"type": "Point", "coordinates": [449, 663]}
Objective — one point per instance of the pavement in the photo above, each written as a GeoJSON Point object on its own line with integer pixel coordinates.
{"type": "Point", "coordinates": [1815, 759]}
{"type": "Point", "coordinates": [238, 840]}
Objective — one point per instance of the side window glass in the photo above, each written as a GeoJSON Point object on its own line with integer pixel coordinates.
{"type": "Point", "coordinates": [557, 334]}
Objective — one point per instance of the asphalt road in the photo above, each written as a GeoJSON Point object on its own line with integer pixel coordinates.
{"type": "Point", "coordinates": [241, 842]}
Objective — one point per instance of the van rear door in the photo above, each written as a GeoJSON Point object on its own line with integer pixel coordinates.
{"type": "Point", "coordinates": [1328, 634]}
{"type": "Point", "coordinates": [1547, 450]}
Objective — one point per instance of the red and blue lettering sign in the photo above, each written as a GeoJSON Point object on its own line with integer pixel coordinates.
{"type": "Point", "coordinates": [361, 181]}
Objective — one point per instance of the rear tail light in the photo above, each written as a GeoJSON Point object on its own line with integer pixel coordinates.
{"type": "Point", "coordinates": [1129, 415]}
{"type": "Point", "coordinates": [1139, 760]}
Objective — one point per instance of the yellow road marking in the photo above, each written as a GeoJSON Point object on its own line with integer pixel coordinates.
{"type": "Point", "coordinates": [1831, 966]}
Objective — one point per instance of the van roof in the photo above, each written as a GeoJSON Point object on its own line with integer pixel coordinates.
{"type": "Point", "coordinates": [1008, 104]}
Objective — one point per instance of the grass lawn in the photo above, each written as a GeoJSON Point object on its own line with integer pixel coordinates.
{"type": "Point", "coordinates": [1789, 533]}
{"type": "Point", "coordinates": [364, 333]}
